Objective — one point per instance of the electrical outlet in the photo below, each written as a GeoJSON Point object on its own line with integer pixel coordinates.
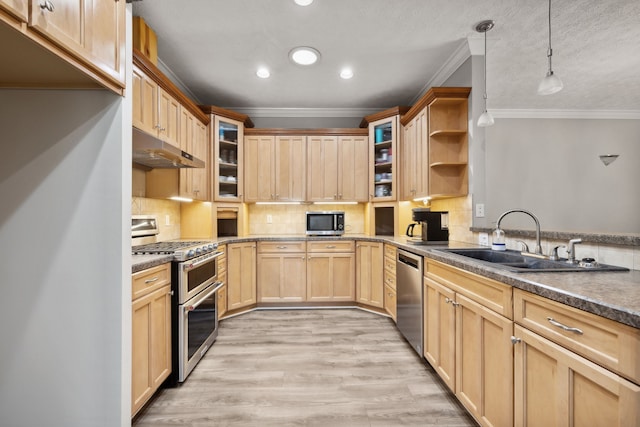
{"type": "Point", "coordinates": [269, 219]}
{"type": "Point", "coordinates": [483, 239]}
{"type": "Point", "coordinates": [479, 210]}
{"type": "Point", "coordinates": [167, 220]}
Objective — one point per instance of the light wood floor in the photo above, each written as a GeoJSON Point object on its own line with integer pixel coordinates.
{"type": "Point", "coordinates": [335, 367]}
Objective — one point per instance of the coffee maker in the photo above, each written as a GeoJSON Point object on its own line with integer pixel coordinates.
{"type": "Point", "coordinates": [434, 227]}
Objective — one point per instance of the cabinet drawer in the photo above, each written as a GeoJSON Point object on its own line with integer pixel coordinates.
{"type": "Point", "coordinates": [487, 292]}
{"type": "Point", "coordinates": [281, 247]}
{"type": "Point", "coordinates": [390, 251]}
{"type": "Point", "coordinates": [390, 279]}
{"type": "Point", "coordinates": [222, 265]}
{"type": "Point", "coordinates": [148, 280]}
{"type": "Point", "coordinates": [331, 246]}
{"type": "Point", "coordinates": [390, 264]}
{"type": "Point", "coordinates": [390, 301]}
{"type": "Point", "coordinates": [606, 342]}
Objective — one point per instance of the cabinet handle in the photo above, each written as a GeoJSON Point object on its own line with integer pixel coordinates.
{"type": "Point", "coordinates": [281, 247]}
{"type": "Point", "coordinates": [564, 327]}
{"type": "Point", "coordinates": [155, 279]}
{"type": "Point", "coordinates": [46, 4]}
{"type": "Point", "coordinates": [515, 340]}
{"type": "Point", "coordinates": [330, 246]}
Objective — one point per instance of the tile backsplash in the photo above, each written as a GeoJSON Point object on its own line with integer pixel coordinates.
{"type": "Point", "coordinates": [291, 219]}
{"type": "Point", "coordinates": [167, 212]}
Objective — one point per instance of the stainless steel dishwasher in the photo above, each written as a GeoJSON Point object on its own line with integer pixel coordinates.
{"type": "Point", "coordinates": [409, 297]}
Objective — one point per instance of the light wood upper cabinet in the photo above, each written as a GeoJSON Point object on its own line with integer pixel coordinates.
{"type": "Point", "coordinates": [168, 118]}
{"type": "Point", "coordinates": [290, 168]}
{"type": "Point", "coordinates": [353, 168]}
{"type": "Point", "coordinates": [105, 30]}
{"type": "Point", "coordinates": [228, 159]}
{"type": "Point", "coordinates": [369, 273]}
{"type": "Point", "coordinates": [259, 167]}
{"type": "Point", "coordinates": [18, 8]}
{"type": "Point", "coordinates": [194, 182]}
{"type": "Point", "coordinates": [383, 159]}
{"type": "Point", "coordinates": [322, 168]}
{"type": "Point", "coordinates": [63, 22]}
{"type": "Point", "coordinates": [145, 102]}
{"type": "Point", "coordinates": [414, 158]}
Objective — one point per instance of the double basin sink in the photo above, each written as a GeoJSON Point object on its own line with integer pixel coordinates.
{"type": "Point", "coordinates": [515, 261]}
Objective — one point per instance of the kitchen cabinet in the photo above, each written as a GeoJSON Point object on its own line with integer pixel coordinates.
{"type": "Point", "coordinates": [222, 277]}
{"type": "Point", "coordinates": [241, 275]}
{"type": "Point", "coordinates": [274, 168]}
{"type": "Point", "coordinates": [330, 271]}
{"type": "Point", "coordinates": [369, 273]}
{"type": "Point", "coordinates": [582, 367]}
{"type": "Point", "coordinates": [282, 272]}
{"type": "Point", "coordinates": [89, 35]}
{"type": "Point", "coordinates": [468, 320]}
{"type": "Point", "coordinates": [434, 145]}
{"type": "Point", "coordinates": [194, 182]}
{"type": "Point", "coordinates": [383, 170]}
{"type": "Point", "coordinates": [151, 333]}
{"type": "Point", "coordinates": [337, 168]}
{"type": "Point", "coordinates": [228, 135]}
{"type": "Point", "coordinates": [415, 157]}
{"type": "Point", "coordinates": [389, 276]}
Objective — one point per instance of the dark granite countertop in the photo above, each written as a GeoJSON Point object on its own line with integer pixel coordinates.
{"type": "Point", "coordinates": [613, 295]}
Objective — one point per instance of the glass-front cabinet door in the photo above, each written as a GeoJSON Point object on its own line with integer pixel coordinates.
{"type": "Point", "coordinates": [383, 171]}
{"type": "Point", "coordinates": [228, 137]}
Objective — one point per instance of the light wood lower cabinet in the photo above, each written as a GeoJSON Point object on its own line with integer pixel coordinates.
{"type": "Point", "coordinates": [222, 277]}
{"type": "Point", "coordinates": [389, 276]}
{"type": "Point", "coordinates": [369, 273]}
{"type": "Point", "coordinates": [390, 302]}
{"type": "Point", "coordinates": [556, 387]}
{"type": "Point", "coordinates": [468, 344]}
{"type": "Point", "coordinates": [151, 333]}
{"type": "Point", "coordinates": [282, 272]}
{"type": "Point", "coordinates": [241, 275]}
{"type": "Point", "coordinates": [331, 276]}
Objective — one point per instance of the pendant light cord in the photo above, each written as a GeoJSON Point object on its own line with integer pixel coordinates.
{"type": "Point", "coordinates": [485, 71]}
{"type": "Point", "coordinates": [550, 51]}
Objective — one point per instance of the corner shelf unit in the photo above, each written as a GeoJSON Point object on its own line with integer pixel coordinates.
{"type": "Point", "coordinates": [448, 147]}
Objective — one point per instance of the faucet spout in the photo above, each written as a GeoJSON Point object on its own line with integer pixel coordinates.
{"type": "Point", "coordinates": [538, 249]}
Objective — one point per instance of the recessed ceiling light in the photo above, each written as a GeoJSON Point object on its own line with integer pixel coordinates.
{"type": "Point", "coordinates": [263, 73]}
{"type": "Point", "coordinates": [303, 2]}
{"type": "Point", "coordinates": [346, 73]}
{"type": "Point", "coordinates": [304, 55]}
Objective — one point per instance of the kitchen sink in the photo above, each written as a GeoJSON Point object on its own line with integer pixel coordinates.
{"type": "Point", "coordinates": [517, 262]}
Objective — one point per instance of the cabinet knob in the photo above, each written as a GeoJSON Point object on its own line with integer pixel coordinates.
{"type": "Point", "coordinates": [46, 4]}
{"type": "Point", "coordinates": [515, 340]}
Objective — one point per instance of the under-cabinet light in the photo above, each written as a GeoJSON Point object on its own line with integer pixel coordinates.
{"type": "Point", "coordinates": [181, 199]}
{"type": "Point", "coordinates": [278, 203]}
{"type": "Point", "coordinates": [335, 203]}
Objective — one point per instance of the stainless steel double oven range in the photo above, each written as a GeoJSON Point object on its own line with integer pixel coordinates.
{"type": "Point", "coordinates": [194, 312]}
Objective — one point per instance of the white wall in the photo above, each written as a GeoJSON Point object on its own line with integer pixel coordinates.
{"type": "Point", "coordinates": [65, 203]}
{"type": "Point", "coordinates": [551, 167]}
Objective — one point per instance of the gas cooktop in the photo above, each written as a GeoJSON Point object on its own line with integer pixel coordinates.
{"type": "Point", "coordinates": [181, 250]}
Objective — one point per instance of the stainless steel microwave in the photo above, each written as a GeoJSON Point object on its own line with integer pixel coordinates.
{"type": "Point", "coordinates": [325, 223]}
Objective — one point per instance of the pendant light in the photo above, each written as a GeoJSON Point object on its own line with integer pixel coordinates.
{"type": "Point", "coordinates": [485, 119]}
{"type": "Point", "coordinates": [551, 83]}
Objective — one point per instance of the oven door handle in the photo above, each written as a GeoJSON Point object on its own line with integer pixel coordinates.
{"type": "Point", "coordinates": [191, 265]}
{"type": "Point", "coordinates": [216, 287]}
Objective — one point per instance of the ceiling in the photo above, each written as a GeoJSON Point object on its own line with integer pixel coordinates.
{"type": "Point", "coordinates": [397, 49]}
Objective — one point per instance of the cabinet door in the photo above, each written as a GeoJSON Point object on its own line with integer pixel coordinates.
{"type": "Point", "coordinates": [407, 153]}
{"type": "Point", "coordinates": [322, 168]}
{"type": "Point", "coordinates": [222, 302]}
{"type": "Point", "coordinates": [151, 345]}
{"type": "Point", "coordinates": [64, 24]}
{"type": "Point", "coordinates": [281, 277]}
{"type": "Point", "coordinates": [201, 176]}
{"type": "Point", "coordinates": [369, 269]}
{"type": "Point", "coordinates": [440, 330]}
{"type": "Point", "coordinates": [390, 301]}
{"type": "Point", "coordinates": [105, 33]}
{"type": "Point", "coordinates": [168, 118]}
{"type": "Point", "coordinates": [330, 277]}
{"type": "Point", "coordinates": [241, 275]}
{"type": "Point", "coordinates": [228, 158]}
{"type": "Point", "coordinates": [421, 167]}
{"type": "Point", "coordinates": [353, 172]}
{"type": "Point", "coordinates": [18, 8]}
{"type": "Point", "coordinates": [572, 390]}
{"type": "Point", "coordinates": [343, 276]}
{"type": "Point", "coordinates": [484, 363]}
{"type": "Point", "coordinates": [145, 102]}
{"type": "Point", "coordinates": [290, 168]}
{"type": "Point", "coordinates": [259, 168]}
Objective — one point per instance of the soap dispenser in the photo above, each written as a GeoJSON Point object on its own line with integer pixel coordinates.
{"type": "Point", "coordinates": [498, 242]}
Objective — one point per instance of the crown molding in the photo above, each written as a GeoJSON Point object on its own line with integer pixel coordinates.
{"type": "Point", "coordinates": [566, 114]}
{"type": "Point", "coordinates": [306, 112]}
{"type": "Point", "coordinates": [177, 81]}
{"type": "Point", "coordinates": [450, 66]}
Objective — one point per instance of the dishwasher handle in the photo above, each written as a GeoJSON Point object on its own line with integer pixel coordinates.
{"type": "Point", "coordinates": [411, 262]}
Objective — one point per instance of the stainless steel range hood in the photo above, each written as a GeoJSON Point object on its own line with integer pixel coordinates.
{"type": "Point", "coordinates": [157, 154]}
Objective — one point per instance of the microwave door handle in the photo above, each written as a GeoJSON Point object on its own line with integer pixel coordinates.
{"type": "Point", "coordinates": [335, 222]}
{"type": "Point", "coordinates": [216, 287]}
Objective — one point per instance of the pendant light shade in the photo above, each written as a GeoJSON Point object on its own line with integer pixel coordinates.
{"type": "Point", "coordinates": [485, 119]}
{"type": "Point", "coordinates": [551, 83]}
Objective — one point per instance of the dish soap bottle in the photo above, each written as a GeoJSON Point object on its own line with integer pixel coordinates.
{"type": "Point", "coordinates": [497, 242]}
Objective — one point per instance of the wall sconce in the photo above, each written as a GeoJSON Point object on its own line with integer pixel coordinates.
{"type": "Point", "coordinates": [607, 159]}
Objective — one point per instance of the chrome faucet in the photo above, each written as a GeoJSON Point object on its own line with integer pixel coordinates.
{"type": "Point", "coordinates": [538, 245]}
{"type": "Point", "coordinates": [571, 250]}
